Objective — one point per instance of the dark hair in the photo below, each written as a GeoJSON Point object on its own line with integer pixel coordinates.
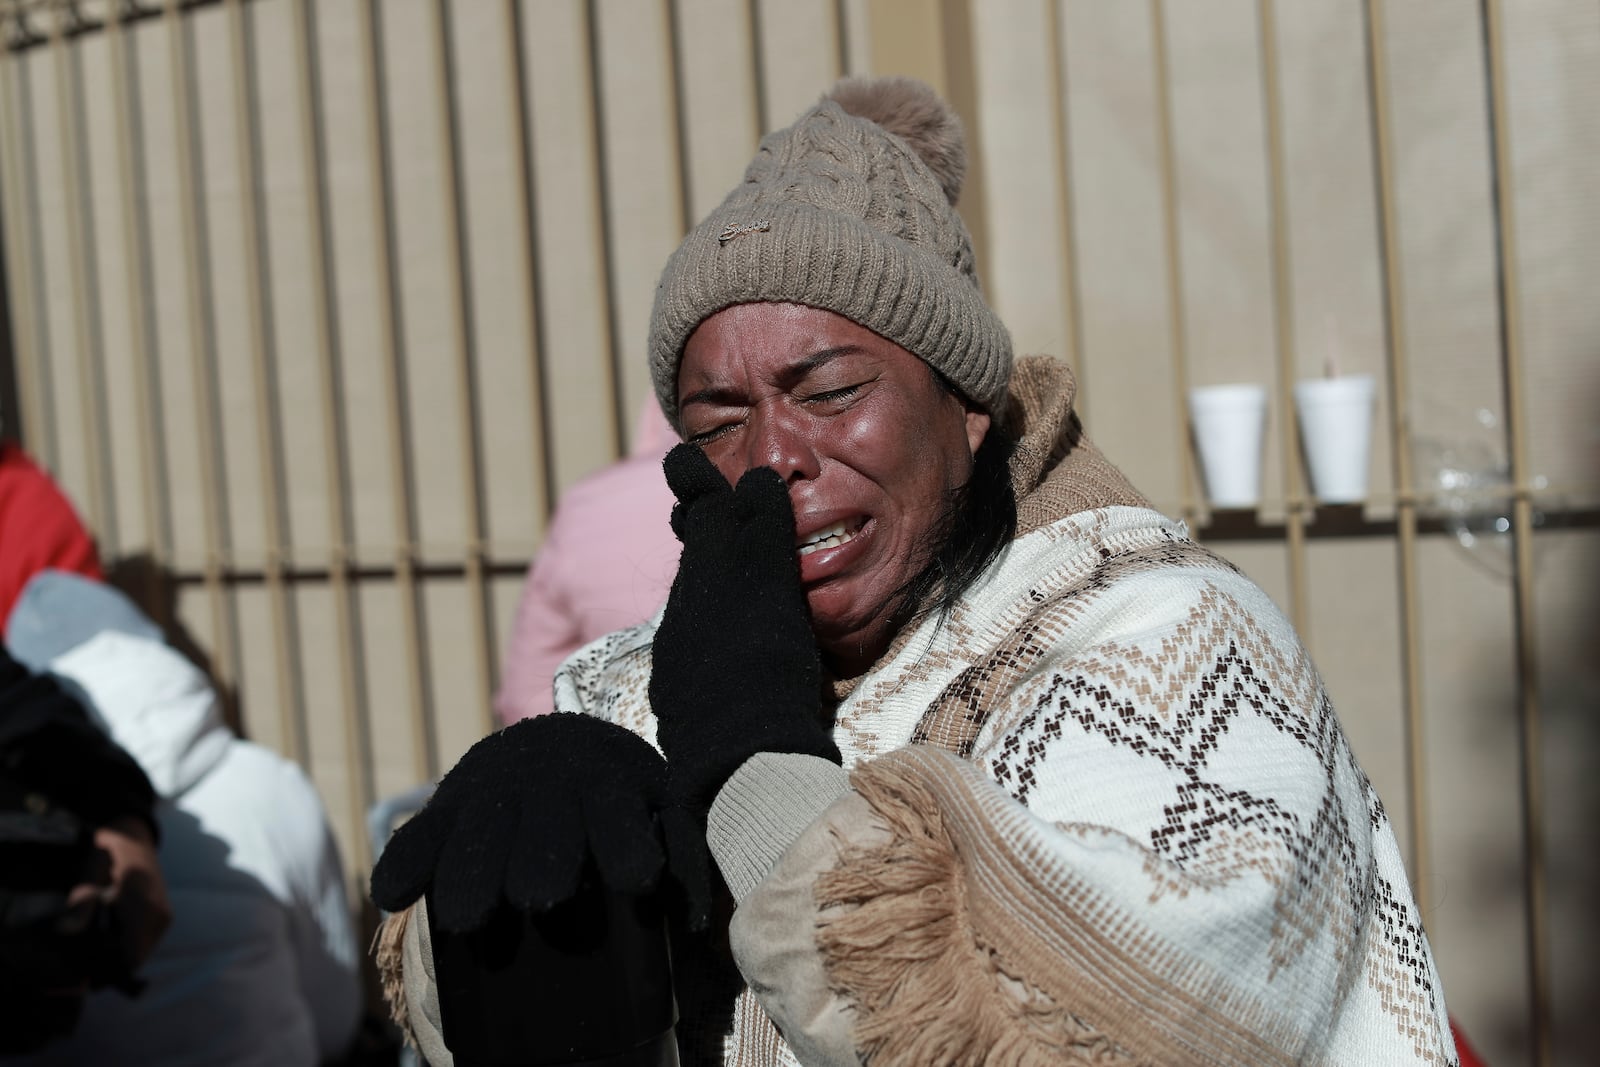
{"type": "Point", "coordinates": [979, 520]}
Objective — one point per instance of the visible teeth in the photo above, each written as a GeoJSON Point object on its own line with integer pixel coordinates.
{"type": "Point", "coordinates": [828, 537]}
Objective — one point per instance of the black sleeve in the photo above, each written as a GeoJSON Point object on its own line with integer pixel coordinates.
{"type": "Point", "coordinates": [60, 778]}
{"type": "Point", "coordinates": [50, 750]}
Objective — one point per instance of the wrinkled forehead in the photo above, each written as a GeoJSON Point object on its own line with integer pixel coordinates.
{"type": "Point", "coordinates": [779, 340]}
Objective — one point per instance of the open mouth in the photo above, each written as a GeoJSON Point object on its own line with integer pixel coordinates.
{"type": "Point", "coordinates": [829, 537]}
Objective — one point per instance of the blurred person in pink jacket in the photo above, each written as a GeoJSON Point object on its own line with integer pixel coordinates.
{"type": "Point", "coordinates": [607, 562]}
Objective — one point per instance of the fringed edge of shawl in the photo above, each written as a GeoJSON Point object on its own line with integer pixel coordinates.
{"type": "Point", "coordinates": [902, 952]}
{"type": "Point", "coordinates": [388, 953]}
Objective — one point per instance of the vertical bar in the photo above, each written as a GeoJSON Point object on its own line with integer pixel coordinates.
{"type": "Point", "coordinates": [528, 247]}
{"type": "Point", "coordinates": [29, 349]}
{"type": "Point", "coordinates": [353, 705]}
{"type": "Point", "coordinates": [758, 70]}
{"type": "Point", "coordinates": [152, 465]}
{"type": "Point", "coordinates": [423, 748]}
{"type": "Point", "coordinates": [225, 652]}
{"type": "Point", "coordinates": [1399, 414]}
{"type": "Point", "coordinates": [957, 64]}
{"type": "Point", "coordinates": [1295, 503]}
{"type": "Point", "coordinates": [1510, 294]}
{"type": "Point", "coordinates": [466, 382]}
{"type": "Point", "coordinates": [1071, 302]}
{"type": "Point", "coordinates": [680, 117]}
{"type": "Point", "coordinates": [47, 431]}
{"type": "Point", "coordinates": [1176, 308]}
{"type": "Point", "coordinates": [45, 435]}
{"type": "Point", "coordinates": [14, 281]}
{"type": "Point", "coordinates": [606, 282]}
{"type": "Point", "coordinates": [284, 624]}
{"type": "Point", "coordinates": [86, 337]}
{"type": "Point", "coordinates": [841, 40]}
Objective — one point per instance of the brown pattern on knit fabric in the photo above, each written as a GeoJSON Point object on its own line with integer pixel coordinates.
{"type": "Point", "coordinates": [1392, 972]}
{"type": "Point", "coordinates": [955, 719]}
{"type": "Point", "coordinates": [620, 691]}
{"type": "Point", "coordinates": [1185, 682]}
{"type": "Point", "coordinates": [1218, 834]}
{"type": "Point", "coordinates": [1175, 709]}
{"type": "Point", "coordinates": [1175, 706]}
{"type": "Point", "coordinates": [857, 719]}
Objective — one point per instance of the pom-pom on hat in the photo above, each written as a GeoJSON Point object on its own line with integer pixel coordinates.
{"type": "Point", "coordinates": [852, 210]}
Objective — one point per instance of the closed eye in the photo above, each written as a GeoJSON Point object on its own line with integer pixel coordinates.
{"type": "Point", "coordinates": [834, 395]}
{"type": "Point", "coordinates": [706, 436]}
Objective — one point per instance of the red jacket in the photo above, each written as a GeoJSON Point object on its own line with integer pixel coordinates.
{"type": "Point", "coordinates": [38, 528]}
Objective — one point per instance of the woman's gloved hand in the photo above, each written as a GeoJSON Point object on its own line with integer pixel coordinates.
{"type": "Point", "coordinates": [519, 816]}
{"type": "Point", "coordinates": [735, 668]}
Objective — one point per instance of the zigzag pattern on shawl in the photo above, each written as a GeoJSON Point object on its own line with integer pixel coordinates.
{"type": "Point", "coordinates": [958, 715]}
{"type": "Point", "coordinates": [1211, 831]}
{"type": "Point", "coordinates": [1397, 974]}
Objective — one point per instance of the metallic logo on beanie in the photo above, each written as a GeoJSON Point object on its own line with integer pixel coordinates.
{"type": "Point", "coordinates": [739, 229]}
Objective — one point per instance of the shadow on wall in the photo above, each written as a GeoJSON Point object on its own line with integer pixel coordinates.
{"type": "Point", "coordinates": [1567, 605]}
{"type": "Point", "coordinates": [1571, 702]}
{"type": "Point", "coordinates": [155, 589]}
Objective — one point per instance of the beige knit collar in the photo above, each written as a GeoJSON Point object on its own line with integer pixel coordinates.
{"type": "Point", "coordinates": [1056, 470]}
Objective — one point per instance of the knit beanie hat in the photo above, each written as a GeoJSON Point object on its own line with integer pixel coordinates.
{"type": "Point", "coordinates": [852, 210]}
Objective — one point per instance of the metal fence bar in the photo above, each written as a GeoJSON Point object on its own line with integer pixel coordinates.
{"type": "Point", "coordinates": [1418, 862]}
{"type": "Point", "coordinates": [680, 117]}
{"type": "Point", "coordinates": [30, 363]}
{"type": "Point", "coordinates": [85, 304]}
{"type": "Point", "coordinates": [532, 287]}
{"type": "Point", "coordinates": [758, 69]}
{"type": "Point", "coordinates": [224, 643]}
{"type": "Point", "coordinates": [1176, 307]}
{"type": "Point", "coordinates": [1340, 528]}
{"type": "Point", "coordinates": [606, 283]}
{"type": "Point", "coordinates": [1528, 705]}
{"type": "Point", "coordinates": [424, 750]}
{"type": "Point", "coordinates": [153, 485]}
{"type": "Point", "coordinates": [347, 617]}
{"type": "Point", "coordinates": [285, 628]}
{"type": "Point", "coordinates": [1061, 126]}
{"type": "Point", "coordinates": [48, 428]}
{"type": "Point", "coordinates": [1295, 505]}
{"type": "Point", "coordinates": [466, 378]}
{"type": "Point", "coordinates": [841, 39]}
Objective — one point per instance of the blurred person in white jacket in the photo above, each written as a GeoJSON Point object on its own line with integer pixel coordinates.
{"type": "Point", "coordinates": [259, 965]}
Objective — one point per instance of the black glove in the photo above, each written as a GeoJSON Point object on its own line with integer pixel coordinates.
{"type": "Point", "coordinates": [735, 667]}
{"type": "Point", "coordinates": [520, 815]}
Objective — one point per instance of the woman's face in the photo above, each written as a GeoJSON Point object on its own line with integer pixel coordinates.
{"type": "Point", "coordinates": [869, 442]}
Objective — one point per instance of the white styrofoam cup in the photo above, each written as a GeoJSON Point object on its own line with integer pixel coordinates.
{"type": "Point", "coordinates": [1228, 421]}
{"type": "Point", "coordinates": [1336, 435]}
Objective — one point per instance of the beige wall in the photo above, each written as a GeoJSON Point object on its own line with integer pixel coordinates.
{"type": "Point", "coordinates": [494, 357]}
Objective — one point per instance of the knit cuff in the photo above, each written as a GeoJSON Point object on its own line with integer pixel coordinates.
{"type": "Point", "coordinates": [763, 807]}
